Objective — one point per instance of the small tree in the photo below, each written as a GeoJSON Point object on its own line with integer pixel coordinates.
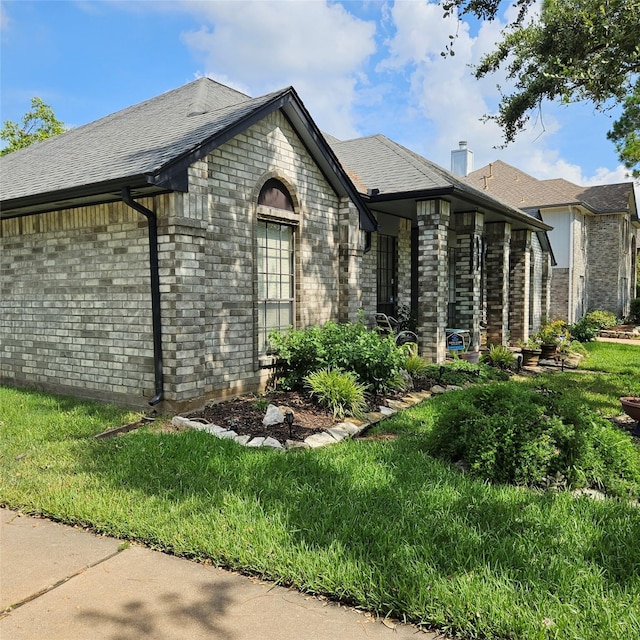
{"type": "Point", "coordinates": [37, 124]}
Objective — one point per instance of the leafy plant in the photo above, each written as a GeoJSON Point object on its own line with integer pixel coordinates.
{"type": "Point", "coordinates": [584, 330]}
{"type": "Point", "coordinates": [635, 309]}
{"type": "Point", "coordinates": [500, 356]}
{"type": "Point", "coordinates": [602, 319]}
{"type": "Point", "coordinates": [415, 366]}
{"type": "Point", "coordinates": [553, 332]}
{"type": "Point", "coordinates": [338, 391]}
{"type": "Point", "coordinates": [376, 360]}
{"type": "Point", "coordinates": [516, 434]}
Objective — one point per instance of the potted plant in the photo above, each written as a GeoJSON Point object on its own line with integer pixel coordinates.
{"type": "Point", "coordinates": [530, 352]}
{"type": "Point", "coordinates": [551, 335]}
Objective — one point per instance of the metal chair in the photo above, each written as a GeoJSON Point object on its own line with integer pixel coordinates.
{"type": "Point", "coordinates": [388, 325]}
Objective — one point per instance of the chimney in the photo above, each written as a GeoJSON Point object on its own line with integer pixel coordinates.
{"type": "Point", "coordinates": [462, 160]}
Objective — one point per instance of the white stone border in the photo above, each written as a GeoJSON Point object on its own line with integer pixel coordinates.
{"type": "Point", "coordinates": [347, 429]}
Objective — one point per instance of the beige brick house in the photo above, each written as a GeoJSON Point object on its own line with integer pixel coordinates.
{"type": "Point", "coordinates": [146, 256]}
{"type": "Point", "coordinates": [594, 237]}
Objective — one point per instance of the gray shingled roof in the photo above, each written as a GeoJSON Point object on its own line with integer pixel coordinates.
{"type": "Point", "coordinates": [519, 189]}
{"type": "Point", "coordinates": [136, 141]}
{"type": "Point", "coordinates": [376, 162]}
{"type": "Point", "coordinates": [387, 166]}
{"type": "Point", "coordinates": [147, 148]}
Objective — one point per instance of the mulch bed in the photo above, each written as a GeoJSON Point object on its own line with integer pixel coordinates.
{"type": "Point", "coordinates": [244, 416]}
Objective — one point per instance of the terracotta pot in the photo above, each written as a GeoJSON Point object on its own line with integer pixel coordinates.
{"type": "Point", "coordinates": [631, 406]}
{"type": "Point", "coordinates": [548, 351]}
{"type": "Point", "coordinates": [530, 357]}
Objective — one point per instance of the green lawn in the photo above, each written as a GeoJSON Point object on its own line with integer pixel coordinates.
{"type": "Point", "coordinates": [374, 523]}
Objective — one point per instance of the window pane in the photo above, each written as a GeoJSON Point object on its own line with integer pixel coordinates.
{"type": "Point", "coordinates": [275, 271]}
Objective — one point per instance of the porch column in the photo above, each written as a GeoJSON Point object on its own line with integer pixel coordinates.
{"type": "Point", "coordinates": [498, 236]}
{"type": "Point", "coordinates": [433, 266]}
{"type": "Point", "coordinates": [350, 263]}
{"type": "Point", "coordinates": [469, 229]}
{"type": "Point", "coordinates": [404, 264]}
{"type": "Point", "coordinates": [520, 285]}
{"type": "Point", "coordinates": [547, 272]}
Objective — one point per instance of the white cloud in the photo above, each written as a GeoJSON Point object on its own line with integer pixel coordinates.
{"type": "Point", "coordinates": [318, 48]}
{"type": "Point", "coordinates": [354, 83]}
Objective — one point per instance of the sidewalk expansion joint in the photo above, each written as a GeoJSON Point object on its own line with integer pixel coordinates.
{"type": "Point", "coordinates": [5, 612]}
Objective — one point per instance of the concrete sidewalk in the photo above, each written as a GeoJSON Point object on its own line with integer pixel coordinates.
{"type": "Point", "coordinates": [61, 583]}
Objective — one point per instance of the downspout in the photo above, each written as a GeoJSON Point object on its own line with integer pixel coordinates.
{"type": "Point", "coordinates": [152, 226]}
{"type": "Point", "coordinates": [571, 304]}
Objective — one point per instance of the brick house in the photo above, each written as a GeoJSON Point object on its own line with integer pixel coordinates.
{"type": "Point", "coordinates": [594, 237]}
{"type": "Point", "coordinates": [146, 256]}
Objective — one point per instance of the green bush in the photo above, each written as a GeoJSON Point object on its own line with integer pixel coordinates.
{"type": "Point", "coordinates": [602, 319]}
{"type": "Point", "coordinates": [500, 356]}
{"type": "Point", "coordinates": [376, 359]}
{"type": "Point", "coordinates": [635, 310]}
{"type": "Point", "coordinates": [584, 330]}
{"type": "Point", "coordinates": [338, 391]}
{"type": "Point", "coordinates": [515, 434]}
{"type": "Point", "coordinates": [460, 373]}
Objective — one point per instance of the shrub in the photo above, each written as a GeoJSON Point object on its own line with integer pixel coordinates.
{"type": "Point", "coordinates": [500, 356]}
{"type": "Point", "coordinates": [376, 359]}
{"type": "Point", "coordinates": [338, 391]}
{"type": "Point", "coordinates": [509, 433]}
{"type": "Point", "coordinates": [584, 330]}
{"type": "Point", "coordinates": [602, 319]}
{"type": "Point", "coordinates": [635, 310]}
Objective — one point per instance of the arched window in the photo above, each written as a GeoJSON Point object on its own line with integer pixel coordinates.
{"type": "Point", "coordinates": [276, 224]}
{"type": "Point", "coordinates": [275, 195]}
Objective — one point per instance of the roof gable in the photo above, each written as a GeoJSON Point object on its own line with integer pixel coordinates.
{"type": "Point", "coordinates": [522, 190]}
{"type": "Point", "coordinates": [150, 145]}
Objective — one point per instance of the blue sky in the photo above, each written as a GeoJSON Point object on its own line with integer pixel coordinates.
{"type": "Point", "coordinates": [361, 68]}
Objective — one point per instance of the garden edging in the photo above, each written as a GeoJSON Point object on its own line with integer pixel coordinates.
{"type": "Point", "coordinates": [349, 428]}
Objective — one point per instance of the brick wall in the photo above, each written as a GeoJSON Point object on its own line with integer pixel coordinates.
{"type": "Point", "coordinates": [606, 260]}
{"type": "Point", "coordinates": [76, 309]}
{"type": "Point", "coordinates": [559, 294]}
{"type": "Point", "coordinates": [537, 286]}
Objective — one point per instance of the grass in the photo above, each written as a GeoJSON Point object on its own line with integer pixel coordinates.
{"type": "Point", "coordinates": [377, 524]}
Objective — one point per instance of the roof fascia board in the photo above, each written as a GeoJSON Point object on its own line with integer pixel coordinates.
{"type": "Point", "coordinates": [367, 220]}
{"type": "Point", "coordinates": [110, 189]}
{"type": "Point", "coordinates": [422, 194]}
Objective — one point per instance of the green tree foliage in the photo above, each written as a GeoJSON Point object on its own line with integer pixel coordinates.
{"type": "Point", "coordinates": [39, 123]}
{"type": "Point", "coordinates": [572, 50]}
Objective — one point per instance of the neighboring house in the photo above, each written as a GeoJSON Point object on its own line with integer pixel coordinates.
{"type": "Point", "coordinates": [594, 237]}
{"type": "Point", "coordinates": [146, 256]}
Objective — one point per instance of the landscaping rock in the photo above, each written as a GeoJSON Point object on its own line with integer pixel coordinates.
{"type": "Point", "coordinates": [437, 389]}
{"type": "Point", "coordinates": [274, 415]}
{"type": "Point", "coordinates": [351, 428]}
{"type": "Point", "coordinates": [295, 444]}
{"type": "Point", "coordinates": [256, 442]}
{"type": "Point", "coordinates": [242, 440]}
{"type": "Point", "coordinates": [320, 440]}
{"type": "Point", "coordinates": [337, 433]}
{"type": "Point", "coordinates": [387, 411]}
{"type": "Point", "coordinates": [271, 443]}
